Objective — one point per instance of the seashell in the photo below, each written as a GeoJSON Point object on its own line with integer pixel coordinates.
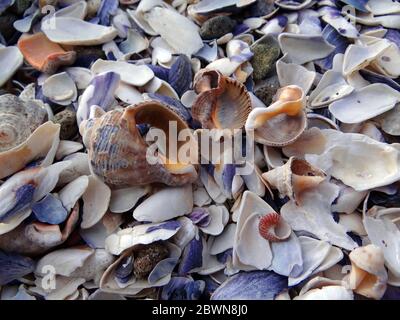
{"type": "Point", "coordinates": [114, 127]}
{"type": "Point", "coordinates": [313, 47]}
{"type": "Point", "coordinates": [166, 21]}
{"type": "Point", "coordinates": [66, 147]}
{"type": "Point", "coordinates": [11, 60]}
{"type": "Point", "coordinates": [60, 89]}
{"type": "Point", "coordinates": [163, 205]}
{"type": "Point", "coordinates": [254, 285]}
{"type": "Point", "coordinates": [348, 200]}
{"type": "Point", "coordinates": [128, 94]}
{"type": "Point", "coordinates": [317, 121]}
{"type": "Point", "coordinates": [353, 223]}
{"type": "Point", "coordinates": [7, 226]}
{"type": "Point", "coordinates": [182, 288]}
{"type": "Point", "coordinates": [275, 26]}
{"type": "Point", "coordinates": [130, 74]}
{"type": "Point", "coordinates": [123, 200]}
{"type": "Point", "coordinates": [39, 144]}
{"type": "Point", "coordinates": [294, 5]}
{"type": "Point", "coordinates": [384, 7]}
{"type": "Point", "coordinates": [180, 75]}
{"type": "Point", "coordinates": [283, 121]}
{"type": "Point", "coordinates": [217, 95]}
{"type": "Point", "coordinates": [73, 31]}
{"type": "Point", "coordinates": [318, 256]}
{"type": "Point", "coordinates": [387, 62]}
{"type": "Point", "coordinates": [18, 120]}
{"type": "Point", "coordinates": [14, 266]}
{"type": "Point", "coordinates": [333, 17]}
{"type": "Point", "coordinates": [295, 177]}
{"type": "Point", "coordinates": [79, 166]}
{"type": "Point", "coordinates": [358, 4]}
{"type": "Point", "coordinates": [50, 210]}
{"type": "Point", "coordinates": [218, 218]}
{"type": "Point", "coordinates": [44, 55]}
{"type": "Point", "coordinates": [216, 27]}
{"type": "Point", "coordinates": [81, 76]}
{"type": "Point", "coordinates": [209, 52]}
{"type": "Point", "coordinates": [135, 43]}
{"type": "Point", "coordinates": [389, 121]}
{"type": "Point", "coordinates": [293, 74]}
{"type": "Point", "coordinates": [272, 228]}
{"type": "Point", "coordinates": [368, 275]}
{"type": "Point", "coordinates": [224, 65]}
{"type": "Point", "coordinates": [376, 172]}
{"type": "Point", "coordinates": [365, 104]}
{"type": "Point", "coordinates": [314, 215]}
{"type": "Point", "coordinates": [73, 191]}
{"type": "Point", "coordinates": [107, 9]}
{"type": "Point", "coordinates": [25, 24]}
{"type": "Point", "coordinates": [161, 87]}
{"type": "Point", "coordinates": [96, 200]}
{"type": "Point", "coordinates": [324, 289]}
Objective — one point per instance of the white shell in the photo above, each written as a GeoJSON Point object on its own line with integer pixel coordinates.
{"type": "Point", "coordinates": [125, 199]}
{"type": "Point", "coordinates": [95, 202]}
{"type": "Point", "coordinates": [73, 31]}
{"type": "Point", "coordinates": [365, 104]}
{"type": "Point", "coordinates": [10, 61]}
{"type": "Point", "coordinates": [130, 74]}
{"type": "Point", "coordinates": [383, 7]}
{"type": "Point", "coordinates": [165, 204]}
{"type": "Point", "coordinates": [81, 76]}
{"type": "Point", "coordinates": [73, 191]}
{"type": "Point", "coordinates": [60, 88]}
{"type": "Point", "coordinates": [134, 43]}
{"type": "Point", "coordinates": [219, 216]}
{"type": "Point", "coordinates": [66, 147]}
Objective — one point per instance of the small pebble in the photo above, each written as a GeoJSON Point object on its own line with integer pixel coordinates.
{"type": "Point", "coordinates": [264, 59]}
{"type": "Point", "coordinates": [216, 27]}
{"type": "Point", "coordinates": [67, 120]}
{"type": "Point", "coordinates": [147, 258]}
{"type": "Point", "coordinates": [266, 89]}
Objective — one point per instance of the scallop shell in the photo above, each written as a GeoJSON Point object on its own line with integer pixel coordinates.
{"type": "Point", "coordinates": [282, 122]}
{"type": "Point", "coordinates": [294, 177]}
{"type": "Point", "coordinates": [221, 103]}
{"type": "Point", "coordinates": [44, 55]}
{"type": "Point", "coordinates": [18, 119]}
{"type": "Point", "coordinates": [120, 155]}
{"type": "Point", "coordinates": [368, 275]}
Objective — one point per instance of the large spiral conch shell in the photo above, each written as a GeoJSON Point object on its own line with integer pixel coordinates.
{"type": "Point", "coordinates": [222, 102]}
{"type": "Point", "coordinates": [18, 119]}
{"type": "Point", "coordinates": [283, 121]}
{"type": "Point", "coordinates": [120, 156]}
{"type": "Point", "coordinates": [294, 177]}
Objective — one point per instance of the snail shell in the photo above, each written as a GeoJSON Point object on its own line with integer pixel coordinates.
{"type": "Point", "coordinates": [222, 102]}
{"type": "Point", "coordinates": [119, 154]}
{"type": "Point", "coordinates": [18, 119]}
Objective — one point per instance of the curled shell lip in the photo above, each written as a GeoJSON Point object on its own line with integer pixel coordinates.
{"type": "Point", "coordinates": [273, 228]}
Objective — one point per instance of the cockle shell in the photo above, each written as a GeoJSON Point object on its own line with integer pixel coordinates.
{"type": "Point", "coordinates": [18, 119]}
{"type": "Point", "coordinates": [294, 177]}
{"type": "Point", "coordinates": [119, 155]}
{"type": "Point", "coordinates": [368, 275]}
{"type": "Point", "coordinates": [222, 102]}
{"type": "Point", "coordinates": [44, 55]}
{"type": "Point", "coordinates": [39, 144]}
{"type": "Point", "coordinates": [283, 121]}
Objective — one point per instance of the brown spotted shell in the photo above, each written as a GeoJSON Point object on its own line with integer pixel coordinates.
{"type": "Point", "coordinates": [118, 153]}
{"type": "Point", "coordinates": [222, 102]}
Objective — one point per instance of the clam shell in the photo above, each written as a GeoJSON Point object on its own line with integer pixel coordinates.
{"type": "Point", "coordinates": [73, 31]}
{"type": "Point", "coordinates": [10, 61]}
{"type": "Point", "coordinates": [114, 135]}
{"type": "Point", "coordinates": [294, 5]}
{"type": "Point", "coordinates": [365, 104]}
{"type": "Point", "coordinates": [180, 75]}
{"type": "Point", "coordinates": [123, 200]}
{"type": "Point", "coordinates": [18, 120]}
{"type": "Point", "coordinates": [44, 55]}
{"type": "Point", "coordinates": [60, 88]}
{"type": "Point", "coordinates": [221, 103]}
{"type": "Point", "coordinates": [282, 122]}
{"type": "Point", "coordinates": [38, 144]}
{"type": "Point", "coordinates": [73, 191]}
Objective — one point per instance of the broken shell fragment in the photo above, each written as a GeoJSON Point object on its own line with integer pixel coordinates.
{"type": "Point", "coordinates": [273, 228]}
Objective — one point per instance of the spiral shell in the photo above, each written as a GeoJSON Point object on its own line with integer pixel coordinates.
{"type": "Point", "coordinates": [18, 119]}
{"type": "Point", "coordinates": [273, 228]}
{"type": "Point", "coordinates": [222, 103]}
{"type": "Point", "coordinates": [119, 154]}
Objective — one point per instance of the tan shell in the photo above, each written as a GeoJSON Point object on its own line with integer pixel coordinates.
{"type": "Point", "coordinates": [18, 119]}
{"type": "Point", "coordinates": [222, 102]}
{"type": "Point", "coordinates": [118, 153]}
{"type": "Point", "coordinates": [282, 122]}
{"type": "Point", "coordinates": [44, 55]}
{"type": "Point", "coordinates": [368, 275]}
{"type": "Point", "coordinates": [294, 177]}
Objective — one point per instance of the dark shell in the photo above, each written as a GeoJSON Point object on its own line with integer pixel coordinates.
{"type": "Point", "coordinates": [180, 75]}
{"type": "Point", "coordinates": [174, 104]}
{"type": "Point", "coordinates": [192, 257]}
{"type": "Point", "coordinates": [217, 27]}
{"type": "Point", "coordinates": [181, 288]}
{"type": "Point", "coordinates": [254, 285]}
{"type": "Point", "coordinates": [124, 269]}
{"type": "Point", "coordinates": [159, 72]}
{"type": "Point", "coordinates": [383, 199]}
{"type": "Point", "coordinates": [67, 121]}
{"type": "Point", "coordinates": [148, 257]}
{"type": "Point", "coordinates": [50, 210]}
{"type": "Point", "coordinates": [14, 266]}
{"type": "Point", "coordinates": [6, 25]}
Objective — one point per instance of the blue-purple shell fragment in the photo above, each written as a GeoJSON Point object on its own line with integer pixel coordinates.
{"type": "Point", "coordinates": [253, 285]}
{"type": "Point", "coordinates": [358, 4]}
{"type": "Point", "coordinates": [180, 75]}
{"type": "Point", "coordinates": [50, 210]}
{"type": "Point", "coordinates": [200, 217]}
{"type": "Point", "coordinates": [181, 288]}
{"type": "Point", "coordinates": [107, 8]}
{"type": "Point", "coordinates": [378, 78]}
{"type": "Point", "coordinates": [169, 225]}
{"type": "Point", "coordinates": [14, 266]}
{"type": "Point", "coordinates": [192, 256]}
{"type": "Point", "coordinates": [23, 198]}
{"type": "Point", "coordinates": [159, 72]}
{"type": "Point", "coordinates": [5, 4]}
{"type": "Point", "coordinates": [125, 268]}
{"type": "Point", "coordinates": [394, 36]}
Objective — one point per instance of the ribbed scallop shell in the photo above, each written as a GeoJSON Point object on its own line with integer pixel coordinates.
{"type": "Point", "coordinates": [222, 103]}
{"type": "Point", "coordinates": [18, 119]}
{"type": "Point", "coordinates": [117, 151]}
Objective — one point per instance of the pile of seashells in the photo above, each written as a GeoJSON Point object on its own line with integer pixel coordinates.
{"type": "Point", "coordinates": [88, 211]}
